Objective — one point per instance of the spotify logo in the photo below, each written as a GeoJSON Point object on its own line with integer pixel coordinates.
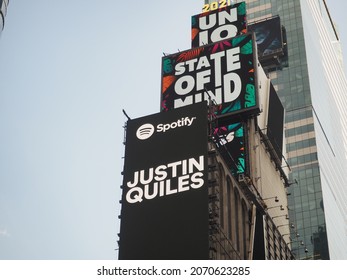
{"type": "Point", "coordinates": [145, 131]}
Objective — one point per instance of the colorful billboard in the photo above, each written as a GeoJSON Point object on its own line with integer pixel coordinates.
{"type": "Point", "coordinates": [231, 143]}
{"type": "Point", "coordinates": [223, 72]}
{"type": "Point", "coordinates": [224, 23]}
{"type": "Point", "coordinates": [165, 196]}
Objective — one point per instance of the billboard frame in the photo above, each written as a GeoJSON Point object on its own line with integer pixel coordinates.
{"type": "Point", "coordinates": [245, 111]}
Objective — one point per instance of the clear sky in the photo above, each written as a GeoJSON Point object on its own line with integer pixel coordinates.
{"type": "Point", "coordinates": [67, 69]}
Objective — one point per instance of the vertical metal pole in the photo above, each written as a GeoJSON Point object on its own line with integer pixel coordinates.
{"type": "Point", "coordinates": [252, 233]}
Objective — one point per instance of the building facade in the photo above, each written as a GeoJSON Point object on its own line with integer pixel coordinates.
{"type": "Point", "coordinates": [248, 215]}
{"type": "Point", "coordinates": [312, 89]}
{"type": "Point", "coordinates": [3, 11]}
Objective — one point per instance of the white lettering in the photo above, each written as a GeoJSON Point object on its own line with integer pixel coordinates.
{"type": "Point", "coordinates": [190, 121]}
{"type": "Point", "coordinates": [134, 195]}
{"type": "Point", "coordinates": [184, 85]}
{"type": "Point", "coordinates": [203, 21]}
{"type": "Point", "coordinates": [161, 188]}
{"type": "Point", "coordinates": [197, 180]}
{"type": "Point", "coordinates": [180, 69]}
{"type": "Point", "coordinates": [169, 179]}
{"type": "Point", "coordinates": [198, 97]}
{"type": "Point", "coordinates": [160, 172]}
{"type": "Point", "coordinates": [203, 78]}
{"type": "Point", "coordinates": [232, 87]}
{"type": "Point", "coordinates": [227, 86]}
{"type": "Point", "coordinates": [217, 57]}
{"type": "Point", "coordinates": [194, 164]}
{"type": "Point", "coordinates": [136, 180]}
{"type": "Point", "coordinates": [191, 64]}
{"type": "Point", "coordinates": [154, 189]}
{"type": "Point", "coordinates": [173, 167]}
{"type": "Point", "coordinates": [223, 32]}
{"type": "Point", "coordinates": [203, 38]}
{"type": "Point", "coordinates": [224, 17]}
{"type": "Point", "coordinates": [217, 27]}
{"type": "Point", "coordinates": [149, 179]}
{"type": "Point", "coordinates": [183, 183]}
{"type": "Point", "coordinates": [203, 63]}
{"type": "Point", "coordinates": [216, 96]}
{"type": "Point", "coordinates": [233, 62]}
{"type": "Point", "coordinates": [183, 102]}
{"type": "Point", "coordinates": [179, 123]}
{"type": "Point", "coordinates": [168, 188]}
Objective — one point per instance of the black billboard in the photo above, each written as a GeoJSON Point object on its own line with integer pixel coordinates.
{"type": "Point", "coordinates": [275, 124]}
{"type": "Point", "coordinates": [270, 41]}
{"type": "Point", "coordinates": [224, 72]}
{"type": "Point", "coordinates": [217, 25]}
{"type": "Point", "coordinates": [165, 197]}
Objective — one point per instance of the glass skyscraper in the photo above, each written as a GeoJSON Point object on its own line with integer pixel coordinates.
{"type": "Point", "coordinates": [313, 90]}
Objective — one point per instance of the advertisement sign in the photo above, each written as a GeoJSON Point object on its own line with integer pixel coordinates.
{"type": "Point", "coordinates": [165, 197]}
{"type": "Point", "coordinates": [269, 39]}
{"type": "Point", "coordinates": [223, 72]}
{"type": "Point", "coordinates": [217, 25]}
{"type": "Point", "coordinates": [231, 143]}
{"type": "Point", "coordinates": [275, 125]}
